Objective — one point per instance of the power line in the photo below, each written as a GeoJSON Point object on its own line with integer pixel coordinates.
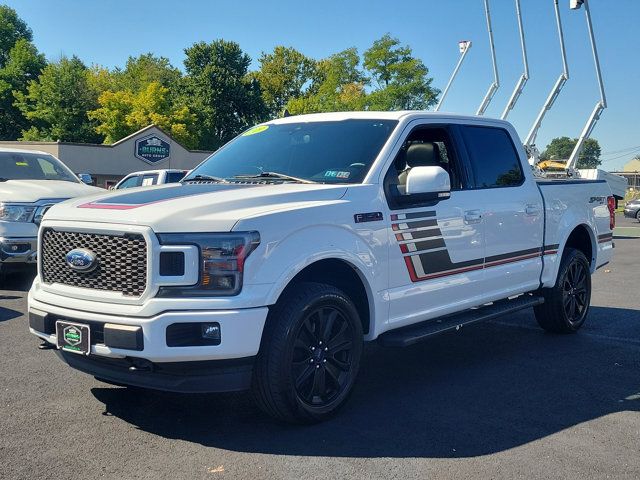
{"type": "Point", "coordinates": [623, 155]}
{"type": "Point", "coordinates": [620, 151]}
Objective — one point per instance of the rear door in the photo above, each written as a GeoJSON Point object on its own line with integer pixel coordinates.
{"type": "Point", "coordinates": [512, 211]}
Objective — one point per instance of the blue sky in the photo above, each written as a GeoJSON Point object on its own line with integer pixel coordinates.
{"type": "Point", "coordinates": [107, 31]}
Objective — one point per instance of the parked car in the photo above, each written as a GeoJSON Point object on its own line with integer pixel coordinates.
{"type": "Point", "coordinates": [150, 177]}
{"type": "Point", "coordinates": [272, 261]}
{"type": "Point", "coordinates": [30, 183]}
{"type": "Point", "coordinates": [632, 209]}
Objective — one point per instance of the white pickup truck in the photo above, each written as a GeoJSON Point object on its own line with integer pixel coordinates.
{"type": "Point", "coordinates": [30, 182]}
{"type": "Point", "coordinates": [273, 260]}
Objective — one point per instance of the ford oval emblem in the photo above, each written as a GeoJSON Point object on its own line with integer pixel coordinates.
{"type": "Point", "coordinates": [81, 260]}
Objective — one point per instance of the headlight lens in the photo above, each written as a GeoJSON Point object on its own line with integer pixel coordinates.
{"type": "Point", "coordinates": [16, 213]}
{"type": "Point", "coordinates": [222, 257]}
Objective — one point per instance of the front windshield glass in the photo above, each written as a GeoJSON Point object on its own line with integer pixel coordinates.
{"type": "Point", "coordinates": [33, 166]}
{"type": "Point", "coordinates": [323, 152]}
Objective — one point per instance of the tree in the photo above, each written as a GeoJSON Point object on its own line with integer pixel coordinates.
{"type": "Point", "coordinates": [147, 68]}
{"type": "Point", "coordinates": [560, 149]}
{"type": "Point", "coordinates": [12, 29]}
{"type": "Point", "coordinates": [124, 112]}
{"type": "Point", "coordinates": [220, 92]}
{"type": "Point", "coordinates": [57, 103]}
{"type": "Point", "coordinates": [338, 84]}
{"type": "Point", "coordinates": [282, 76]}
{"type": "Point", "coordinates": [402, 80]}
{"type": "Point", "coordinates": [23, 63]}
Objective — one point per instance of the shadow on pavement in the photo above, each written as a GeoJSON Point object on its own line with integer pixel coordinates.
{"type": "Point", "coordinates": [486, 389]}
{"type": "Point", "coordinates": [18, 280]}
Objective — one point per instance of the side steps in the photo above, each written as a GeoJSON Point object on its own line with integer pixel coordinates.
{"type": "Point", "coordinates": [403, 337]}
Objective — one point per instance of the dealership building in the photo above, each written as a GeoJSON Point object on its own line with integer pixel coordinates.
{"type": "Point", "coordinates": [147, 149]}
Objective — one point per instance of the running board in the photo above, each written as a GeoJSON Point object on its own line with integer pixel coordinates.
{"type": "Point", "coordinates": [405, 336]}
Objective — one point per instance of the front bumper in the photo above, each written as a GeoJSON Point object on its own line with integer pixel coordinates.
{"type": "Point", "coordinates": [18, 249]}
{"type": "Point", "coordinates": [240, 332]}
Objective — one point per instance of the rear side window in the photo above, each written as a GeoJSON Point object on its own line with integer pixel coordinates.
{"type": "Point", "coordinates": [130, 182]}
{"type": "Point", "coordinates": [174, 177]}
{"type": "Point", "coordinates": [494, 159]}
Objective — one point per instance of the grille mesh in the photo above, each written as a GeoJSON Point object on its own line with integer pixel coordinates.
{"type": "Point", "coordinates": [122, 261]}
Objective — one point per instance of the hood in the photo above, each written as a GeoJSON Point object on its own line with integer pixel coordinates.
{"type": "Point", "coordinates": [34, 190]}
{"type": "Point", "coordinates": [193, 207]}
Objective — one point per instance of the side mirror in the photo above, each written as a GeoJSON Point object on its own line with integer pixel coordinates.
{"type": "Point", "coordinates": [85, 178]}
{"type": "Point", "coordinates": [431, 181]}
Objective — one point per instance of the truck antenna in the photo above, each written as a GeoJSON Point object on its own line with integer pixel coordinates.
{"type": "Point", "coordinates": [529, 142]}
{"type": "Point", "coordinates": [465, 46]}
{"type": "Point", "coordinates": [525, 63]}
{"type": "Point", "coordinates": [602, 103]}
{"type": "Point", "coordinates": [496, 80]}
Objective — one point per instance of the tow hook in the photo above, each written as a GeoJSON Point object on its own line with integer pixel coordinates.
{"type": "Point", "coordinates": [140, 365]}
{"type": "Point", "coordinates": [46, 346]}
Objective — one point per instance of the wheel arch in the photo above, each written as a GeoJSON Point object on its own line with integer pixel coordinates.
{"type": "Point", "coordinates": [342, 273]}
{"type": "Point", "coordinates": [583, 238]}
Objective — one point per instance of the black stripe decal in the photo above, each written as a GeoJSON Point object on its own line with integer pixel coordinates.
{"type": "Point", "coordinates": [605, 235]}
{"type": "Point", "coordinates": [440, 261]}
{"type": "Point", "coordinates": [409, 216]}
{"type": "Point", "coordinates": [506, 256]}
{"type": "Point", "coordinates": [554, 246]}
{"type": "Point", "coordinates": [423, 223]}
{"type": "Point", "coordinates": [429, 244]}
{"type": "Point", "coordinates": [425, 234]}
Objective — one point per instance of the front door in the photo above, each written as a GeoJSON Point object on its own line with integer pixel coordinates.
{"type": "Point", "coordinates": [436, 249]}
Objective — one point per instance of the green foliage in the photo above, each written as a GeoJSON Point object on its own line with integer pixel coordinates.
{"type": "Point", "coordinates": [219, 90]}
{"type": "Point", "coordinates": [337, 85]}
{"type": "Point", "coordinates": [402, 80]}
{"type": "Point", "coordinates": [124, 112]}
{"type": "Point", "coordinates": [142, 70]}
{"type": "Point", "coordinates": [23, 63]}
{"type": "Point", "coordinates": [560, 149]}
{"type": "Point", "coordinates": [282, 76]}
{"type": "Point", "coordinates": [57, 103]}
{"type": "Point", "coordinates": [12, 29]}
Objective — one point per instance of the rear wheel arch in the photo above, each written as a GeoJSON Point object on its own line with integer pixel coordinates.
{"type": "Point", "coordinates": [583, 239]}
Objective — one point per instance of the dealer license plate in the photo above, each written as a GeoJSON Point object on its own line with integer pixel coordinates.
{"type": "Point", "coordinates": [73, 337]}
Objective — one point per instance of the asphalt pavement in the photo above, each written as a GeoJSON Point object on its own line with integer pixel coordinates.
{"type": "Point", "coordinates": [495, 400]}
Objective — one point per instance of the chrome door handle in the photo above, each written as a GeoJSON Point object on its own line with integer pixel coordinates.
{"type": "Point", "coordinates": [532, 210]}
{"type": "Point", "coordinates": [472, 216]}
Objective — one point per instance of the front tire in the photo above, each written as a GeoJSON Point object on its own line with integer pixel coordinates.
{"type": "Point", "coordinates": [566, 304]}
{"type": "Point", "coordinates": [310, 354]}
{"type": "Point", "coordinates": [638, 215]}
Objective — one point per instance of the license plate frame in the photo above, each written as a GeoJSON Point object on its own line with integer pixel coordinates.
{"type": "Point", "coordinates": [73, 337]}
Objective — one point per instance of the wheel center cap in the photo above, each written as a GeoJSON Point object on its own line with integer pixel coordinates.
{"type": "Point", "coordinates": [318, 354]}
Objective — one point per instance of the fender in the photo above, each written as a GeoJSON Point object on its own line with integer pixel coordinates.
{"type": "Point", "coordinates": [291, 255]}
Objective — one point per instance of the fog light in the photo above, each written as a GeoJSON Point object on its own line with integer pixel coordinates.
{"type": "Point", "coordinates": [211, 331]}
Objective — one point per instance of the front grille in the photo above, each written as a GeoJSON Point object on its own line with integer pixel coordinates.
{"type": "Point", "coordinates": [122, 261]}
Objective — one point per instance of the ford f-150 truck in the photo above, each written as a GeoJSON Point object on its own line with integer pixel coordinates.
{"type": "Point", "coordinates": [30, 182]}
{"type": "Point", "coordinates": [272, 262]}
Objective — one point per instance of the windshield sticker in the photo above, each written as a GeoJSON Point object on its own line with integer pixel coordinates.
{"type": "Point", "coordinates": [22, 164]}
{"type": "Point", "coordinates": [254, 130]}
{"type": "Point", "coordinates": [336, 174]}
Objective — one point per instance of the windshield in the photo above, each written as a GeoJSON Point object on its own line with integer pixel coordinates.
{"type": "Point", "coordinates": [33, 166]}
{"type": "Point", "coordinates": [323, 152]}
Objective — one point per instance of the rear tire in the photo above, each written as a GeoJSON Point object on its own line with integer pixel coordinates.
{"type": "Point", "coordinates": [310, 354]}
{"type": "Point", "coordinates": [638, 215]}
{"type": "Point", "coordinates": [566, 304]}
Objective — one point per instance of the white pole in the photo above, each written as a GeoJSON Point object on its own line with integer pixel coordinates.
{"type": "Point", "coordinates": [517, 91]}
{"type": "Point", "coordinates": [464, 47]}
{"type": "Point", "coordinates": [496, 81]}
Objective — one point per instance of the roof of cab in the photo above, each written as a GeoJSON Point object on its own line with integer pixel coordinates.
{"type": "Point", "coordinates": [377, 115]}
{"type": "Point", "coordinates": [22, 150]}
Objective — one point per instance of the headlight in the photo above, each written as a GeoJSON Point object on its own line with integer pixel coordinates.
{"type": "Point", "coordinates": [222, 257]}
{"type": "Point", "coordinates": [10, 212]}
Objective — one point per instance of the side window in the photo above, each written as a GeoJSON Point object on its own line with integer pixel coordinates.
{"type": "Point", "coordinates": [130, 182]}
{"type": "Point", "coordinates": [174, 177]}
{"type": "Point", "coordinates": [424, 146]}
{"type": "Point", "coordinates": [494, 160]}
{"type": "Point", "coordinates": [148, 180]}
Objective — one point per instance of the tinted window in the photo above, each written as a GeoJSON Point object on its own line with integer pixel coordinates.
{"type": "Point", "coordinates": [173, 177]}
{"type": "Point", "coordinates": [494, 160]}
{"type": "Point", "coordinates": [33, 166]}
{"type": "Point", "coordinates": [130, 182]}
{"type": "Point", "coordinates": [324, 152]}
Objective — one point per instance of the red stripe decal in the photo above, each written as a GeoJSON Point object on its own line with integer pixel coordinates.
{"type": "Point", "coordinates": [394, 217]}
{"type": "Point", "coordinates": [399, 236]}
{"type": "Point", "coordinates": [412, 271]}
{"type": "Point", "coordinates": [110, 206]}
{"type": "Point", "coordinates": [394, 226]}
{"type": "Point", "coordinates": [403, 248]}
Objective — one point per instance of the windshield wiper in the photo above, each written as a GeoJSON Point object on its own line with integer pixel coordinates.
{"type": "Point", "coordinates": [280, 176]}
{"type": "Point", "coordinates": [204, 178]}
{"type": "Point", "coordinates": [2, 179]}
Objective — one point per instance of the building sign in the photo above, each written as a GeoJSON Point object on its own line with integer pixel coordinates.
{"type": "Point", "coordinates": [152, 149]}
